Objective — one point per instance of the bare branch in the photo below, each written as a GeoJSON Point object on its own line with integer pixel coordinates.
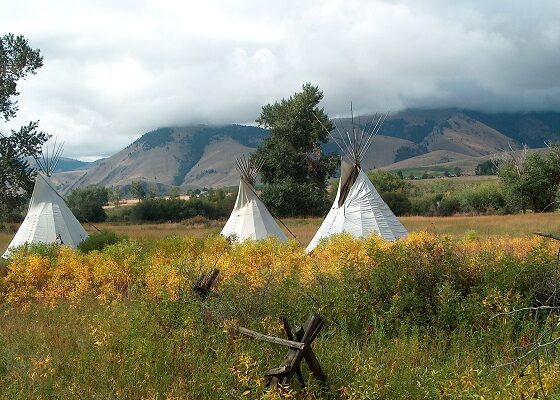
{"type": "Point", "coordinates": [525, 309]}
{"type": "Point", "coordinates": [548, 235]}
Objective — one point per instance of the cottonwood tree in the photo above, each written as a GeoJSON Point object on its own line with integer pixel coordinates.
{"type": "Point", "coordinates": [295, 169]}
{"type": "Point", "coordinates": [137, 190]}
{"type": "Point", "coordinates": [87, 203]}
{"type": "Point", "coordinates": [531, 180]}
{"type": "Point", "coordinates": [17, 61]}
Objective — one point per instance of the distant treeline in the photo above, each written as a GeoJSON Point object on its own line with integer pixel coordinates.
{"type": "Point", "coordinates": [440, 197]}
{"type": "Point", "coordinates": [215, 205]}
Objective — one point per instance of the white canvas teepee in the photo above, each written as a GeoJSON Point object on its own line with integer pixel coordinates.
{"type": "Point", "coordinates": [358, 208]}
{"type": "Point", "coordinates": [47, 216]}
{"type": "Point", "coordinates": [250, 219]}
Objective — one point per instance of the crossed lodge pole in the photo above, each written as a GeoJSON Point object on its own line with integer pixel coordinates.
{"type": "Point", "coordinates": [299, 348]}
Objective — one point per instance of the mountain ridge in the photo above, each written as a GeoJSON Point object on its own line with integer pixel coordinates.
{"type": "Point", "coordinates": [202, 155]}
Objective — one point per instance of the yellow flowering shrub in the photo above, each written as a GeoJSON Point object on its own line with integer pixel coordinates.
{"type": "Point", "coordinates": [409, 319]}
{"type": "Point", "coordinates": [164, 267]}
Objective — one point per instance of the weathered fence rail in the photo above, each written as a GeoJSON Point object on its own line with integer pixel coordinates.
{"type": "Point", "coordinates": [299, 348]}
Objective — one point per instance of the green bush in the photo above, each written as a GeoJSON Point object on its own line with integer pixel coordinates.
{"type": "Point", "coordinates": [481, 199]}
{"type": "Point", "coordinates": [424, 205]}
{"type": "Point", "coordinates": [173, 210]}
{"type": "Point", "coordinates": [99, 240]}
{"type": "Point", "coordinates": [397, 202]}
{"type": "Point", "coordinates": [119, 214]}
{"type": "Point", "coordinates": [448, 206]}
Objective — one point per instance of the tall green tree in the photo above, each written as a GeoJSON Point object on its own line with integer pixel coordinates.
{"type": "Point", "coordinates": [137, 190]}
{"type": "Point", "coordinates": [87, 203]}
{"type": "Point", "coordinates": [17, 61]}
{"type": "Point", "coordinates": [531, 181]}
{"type": "Point", "coordinates": [295, 170]}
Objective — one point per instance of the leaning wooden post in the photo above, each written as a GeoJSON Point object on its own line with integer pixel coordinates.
{"type": "Point", "coordinates": [204, 283]}
{"type": "Point", "coordinates": [311, 359]}
{"type": "Point", "coordinates": [290, 335]}
{"type": "Point", "coordinates": [311, 329]}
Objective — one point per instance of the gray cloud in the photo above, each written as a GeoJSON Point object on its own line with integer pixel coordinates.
{"type": "Point", "coordinates": [114, 70]}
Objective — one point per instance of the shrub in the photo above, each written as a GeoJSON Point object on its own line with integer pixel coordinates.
{"type": "Point", "coordinates": [99, 240]}
{"type": "Point", "coordinates": [397, 202]}
{"type": "Point", "coordinates": [424, 205]}
{"type": "Point", "coordinates": [448, 206]}
{"type": "Point", "coordinates": [482, 199]}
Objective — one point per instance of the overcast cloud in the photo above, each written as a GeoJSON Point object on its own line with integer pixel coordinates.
{"type": "Point", "coordinates": [116, 69]}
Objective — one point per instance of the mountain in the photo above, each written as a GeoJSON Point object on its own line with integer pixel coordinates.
{"type": "Point", "coordinates": [65, 164]}
{"type": "Point", "coordinates": [462, 138]}
{"type": "Point", "coordinates": [177, 156]}
{"type": "Point", "coordinates": [202, 156]}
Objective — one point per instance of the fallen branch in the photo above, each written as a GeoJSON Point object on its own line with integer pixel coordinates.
{"type": "Point", "coordinates": [524, 309]}
{"type": "Point", "coordinates": [548, 235]}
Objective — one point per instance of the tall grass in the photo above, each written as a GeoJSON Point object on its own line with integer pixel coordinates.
{"type": "Point", "coordinates": [404, 320]}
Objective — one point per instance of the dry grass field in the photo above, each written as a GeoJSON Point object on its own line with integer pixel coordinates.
{"type": "Point", "coordinates": [305, 228]}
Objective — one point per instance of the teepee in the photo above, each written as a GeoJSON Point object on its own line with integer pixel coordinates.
{"type": "Point", "coordinates": [250, 219]}
{"type": "Point", "coordinates": [358, 208]}
{"type": "Point", "coordinates": [48, 216]}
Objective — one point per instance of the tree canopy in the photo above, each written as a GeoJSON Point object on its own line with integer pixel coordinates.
{"type": "Point", "coordinates": [17, 61]}
{"type": "Point", "coordinates": [393, 189]}
{"type": "Point", "coordinates": [295, 168]}
{"type": "Point", "coordinates": [87, 203]}
{"type": "Point", "coordinates": [531, 181]}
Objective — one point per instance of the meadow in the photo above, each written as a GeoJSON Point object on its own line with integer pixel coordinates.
{"type": "Point", "coordinates": [305, 228]}
{"type": "Point", "coordinates": [404, 321]}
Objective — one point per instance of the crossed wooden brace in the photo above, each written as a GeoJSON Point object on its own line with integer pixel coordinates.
{"type": "Point", "coordinates": [205, 282]}
{"type": "Point", "coordinates": [299, 344]}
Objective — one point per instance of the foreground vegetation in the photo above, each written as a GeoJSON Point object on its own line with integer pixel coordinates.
{"type": "Point", "coordinates": [405, 320]}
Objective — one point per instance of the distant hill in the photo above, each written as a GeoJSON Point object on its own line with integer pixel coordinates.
{"type": "Point", "coordinates": [202, 156]}
{"type": "Point", "coordinates": [177, 156]}
{"type": "Point", "coordinates": [65, 164]}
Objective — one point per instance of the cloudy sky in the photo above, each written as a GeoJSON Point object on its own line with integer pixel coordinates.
{"type": "Point", "coordinates": [115, 69]}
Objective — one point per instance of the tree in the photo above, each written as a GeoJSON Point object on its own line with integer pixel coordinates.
{"type": "Point", "coordinates": [87, 203]}
{"type": "Point", "coordinates": [115, 195]}
{"type": "Point", "coordinates": [393, 190]}
{"type": "Point", "coordinates": [17, 61]}
{"type": "Point", "coordinates": [137, 190]}
{"type": "Point", "coordinates": [174, 192]}
{"type": "Point", "coordinates": [531, 180]}
{"type": "Point", "coordinates": [385, 181]}
{"type": "Point", "coordinates": [152, 191]}
{"type": "Point", "coordinates": [488, 167]}
{"type": "Point", "coordinates": [295, 169]}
